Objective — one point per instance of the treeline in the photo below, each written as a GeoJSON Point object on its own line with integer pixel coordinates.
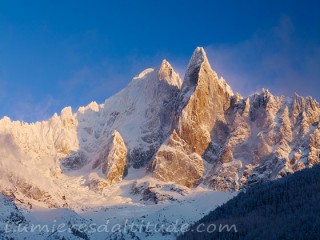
{"type": "Point", "coordinates": [288, 208]}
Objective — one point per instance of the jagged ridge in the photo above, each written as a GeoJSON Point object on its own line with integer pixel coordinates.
{"type": "Point", "coordinates": [189, 133]}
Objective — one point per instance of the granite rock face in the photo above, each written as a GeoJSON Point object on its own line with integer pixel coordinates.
{"type": "Point", "coordinates": [202, 102]}
{"type": "Point", "coordinates": [112, 159]}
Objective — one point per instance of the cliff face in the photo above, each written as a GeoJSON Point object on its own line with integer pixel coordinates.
{"type": "Point", "coordinates": [112, 159]}
{"type": "Point", "coordinates": [202, 103]}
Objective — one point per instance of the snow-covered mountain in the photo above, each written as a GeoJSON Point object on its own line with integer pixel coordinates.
{"type": "Point", "coordinates": [159, 140]}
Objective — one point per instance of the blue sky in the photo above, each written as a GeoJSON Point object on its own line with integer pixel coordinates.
{"type": "Point", "coordinates": [60, 53]}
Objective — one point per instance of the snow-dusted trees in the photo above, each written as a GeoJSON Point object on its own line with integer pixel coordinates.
{"type": "Point", "coordinates": [284, 209]}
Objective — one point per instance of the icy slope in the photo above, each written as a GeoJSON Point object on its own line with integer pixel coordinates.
{"type": "Point", "coordinates": [122, 214]}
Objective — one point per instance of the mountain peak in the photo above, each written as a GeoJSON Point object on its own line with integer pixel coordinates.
{"type": "Point", "coordinates": [166, 72]}
{"type": "Point", "coordinates": [165, 63]}
{"type": "Point", "coordinates": [199, 56]}
{"type": "Point", "coordinates": [116, 134]}
{"type": "Point", "coordinates": [165, 67]}
{"type": "Point", "coordinates": [198, 60]}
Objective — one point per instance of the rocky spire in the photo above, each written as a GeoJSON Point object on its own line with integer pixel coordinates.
{"type": "Point", "coordinates": [166, 73]}
{"type": "Point", "coordinates": [198, 62]}
{"type": "Point", "coordinates": [202, 103]}
{"type": "Point", "coordinates": [198, 58]}
{"type": "Point", "coordinates": [112, 159]}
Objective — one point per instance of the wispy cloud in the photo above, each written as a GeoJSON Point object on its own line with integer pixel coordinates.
{"type": "Point", "coordinates": [277, 59]}
{"type": "Point", "coordinates": [92, 83]}
{"type": "Point", "coordinates": [30, 109]}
